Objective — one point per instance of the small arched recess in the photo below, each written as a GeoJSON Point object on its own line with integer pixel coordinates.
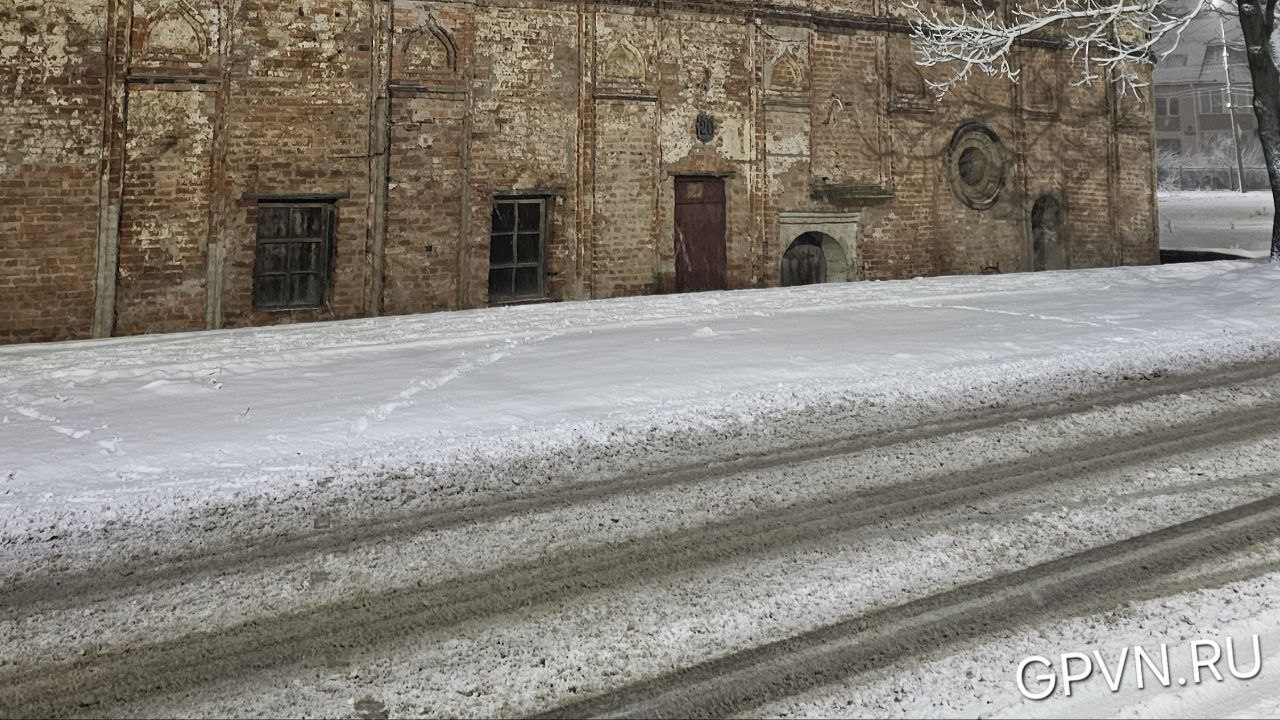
{"type": "Point", "coordinates": [818, 247]}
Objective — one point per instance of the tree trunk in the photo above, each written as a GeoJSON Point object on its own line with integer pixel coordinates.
{"type": "Point", "coordinates": [1257, 21]}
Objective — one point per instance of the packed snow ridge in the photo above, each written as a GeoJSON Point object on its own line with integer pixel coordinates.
{"type": "Point", "coordinates": [200, 438]}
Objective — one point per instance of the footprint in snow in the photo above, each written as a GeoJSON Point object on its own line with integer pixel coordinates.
{"type": "Point", "coordinates": [370, 709]}
{"type": "Point", "coordinates": [35, 414]}
{"type": "Point", "coordinates": [74, 434]}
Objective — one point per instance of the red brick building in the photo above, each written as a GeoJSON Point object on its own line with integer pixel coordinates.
{"type": "Point", "coordinates": [185, 164]}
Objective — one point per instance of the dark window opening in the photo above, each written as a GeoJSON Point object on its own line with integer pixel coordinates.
{"type": "Point", "coordinates": [517, 242]}
{"type": "Point", "coordinates": [291, 264]}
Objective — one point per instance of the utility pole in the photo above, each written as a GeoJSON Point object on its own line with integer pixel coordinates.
{"type": "Point", "coordinates": [1231, 107]}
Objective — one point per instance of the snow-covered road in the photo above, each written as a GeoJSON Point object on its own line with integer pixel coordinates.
{"type": "Point", "coordinates": [1224, 222]}
{"type": "Point", "coordinates": [590, 500]}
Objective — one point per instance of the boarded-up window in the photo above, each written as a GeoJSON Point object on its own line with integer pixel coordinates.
{"type": "Point", "coordinates": [291, 266]}
{"type": "Point", "coordinates": [517, 241]}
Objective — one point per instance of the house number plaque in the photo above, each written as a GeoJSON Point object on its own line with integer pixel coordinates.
{"type": "Point", "coordinates": [705, 126]}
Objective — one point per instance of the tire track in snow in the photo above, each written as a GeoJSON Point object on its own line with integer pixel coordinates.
{"type": "Point", "coordinates": [1091, 581]}
{"type": "Point", "coordinates": [110, 581]}
{"type": "Point", "coordinates": [99, 683]}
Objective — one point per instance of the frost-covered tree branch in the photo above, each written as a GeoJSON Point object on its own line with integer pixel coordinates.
{"type": "Point", "coordinates": [1108, 38]}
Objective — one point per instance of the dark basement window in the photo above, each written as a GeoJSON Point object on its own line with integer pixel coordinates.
{"type": "Point", "coordinates": [517, 249]}
{"type": "Point", "coordinates": [291, 263]}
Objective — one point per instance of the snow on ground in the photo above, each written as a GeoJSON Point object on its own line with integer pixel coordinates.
{"type": "Point", "coordinates": [1219, 221]}
{"type": "Point", "coordinates": [980, 680]}
{"type": "Point", "coordinates": [529, 660]}
{"type": "Point", "coordinates": [159, 442]}
{"type": "Point", "coordinates": [127, 432]}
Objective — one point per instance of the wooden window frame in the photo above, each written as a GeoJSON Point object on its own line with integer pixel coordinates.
{"type": "Point", "coordinates": [515, 264]}
{"type": "Point", "coordinates": [323, 254]}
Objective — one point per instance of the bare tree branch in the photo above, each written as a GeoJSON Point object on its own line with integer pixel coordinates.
{"type": "Point", "coordinates": [1111, 38]}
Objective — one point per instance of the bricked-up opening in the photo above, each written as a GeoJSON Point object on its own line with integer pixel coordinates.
{"type": "Point", "coordinates": [517, 242]}
{"type": "Point", "coordinates": [291, 263]}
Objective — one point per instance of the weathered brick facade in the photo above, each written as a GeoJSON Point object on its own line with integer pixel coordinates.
{"type": "Point", "coordinates": [139, 138]}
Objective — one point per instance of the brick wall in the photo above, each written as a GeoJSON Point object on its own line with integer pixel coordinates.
{"type": "Point", "coordinates": [626, 253]}
{"type": "Point", "coordinates": [412, 116]}
{"type": "Point", "coordinates": [51, 82]}
{"type": "Point", "coordinates": [297, 120]}
{"type": "Point", "coordinates": [164, 225]}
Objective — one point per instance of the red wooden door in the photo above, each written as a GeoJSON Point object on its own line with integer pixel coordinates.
{"type": "Point", "coordinates": [700, 250]}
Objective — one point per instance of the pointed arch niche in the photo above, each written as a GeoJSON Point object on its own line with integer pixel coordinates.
{"type": "Point", "coordinates": [624, 62]}
{"type": "Point", "coordinates": [428, 48]}
{"type": "Point", "coordinates": [174, 33]}
{"type": "Point", "coordinates": [788, 74]}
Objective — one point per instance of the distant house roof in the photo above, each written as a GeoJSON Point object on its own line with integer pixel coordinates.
{"type": "Point", "coordinates": [1196, 56]}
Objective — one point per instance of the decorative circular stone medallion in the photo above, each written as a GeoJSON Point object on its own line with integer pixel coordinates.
{"type": "Point", "coordinates": [976, 166]}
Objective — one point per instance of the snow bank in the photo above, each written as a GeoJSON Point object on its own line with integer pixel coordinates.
{"type": "Point", "coordinates": [196, 437]}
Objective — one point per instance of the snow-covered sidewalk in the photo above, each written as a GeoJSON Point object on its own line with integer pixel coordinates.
{"type": "Point", "coordinates": [137, 430]}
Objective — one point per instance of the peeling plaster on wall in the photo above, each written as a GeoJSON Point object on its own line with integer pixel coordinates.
{"type": "Point", "coordinates": [596, 113]}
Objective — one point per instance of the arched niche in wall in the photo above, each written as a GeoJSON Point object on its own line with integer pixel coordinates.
{"type": "Point", "coordinates": [625, 63]}
{"type": "Point", "coordinates": [788, 74]}
{"type": "Point", "coordinates": [908, 89]}
{"type": "Point", "coordinates": [1039, 82]}
{"type": "Point", "coordinates": [1133, 106]}
{"type": "Point", "coordinates": [811, 258]}
{"type": "Point", "coordinates": [818, 247]}
{"type": "Point", "coordinates": [174, 33]}
{"type": "Point", "coordinates": [429, 47]}
{"type": "Point", "coordinates": [1049, 249]}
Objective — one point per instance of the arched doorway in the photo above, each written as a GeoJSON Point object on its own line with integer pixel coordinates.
{"type": "Point", "coordinates": [1048, 244]}
{"type": "Point", "coordinates": [809, 259]}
